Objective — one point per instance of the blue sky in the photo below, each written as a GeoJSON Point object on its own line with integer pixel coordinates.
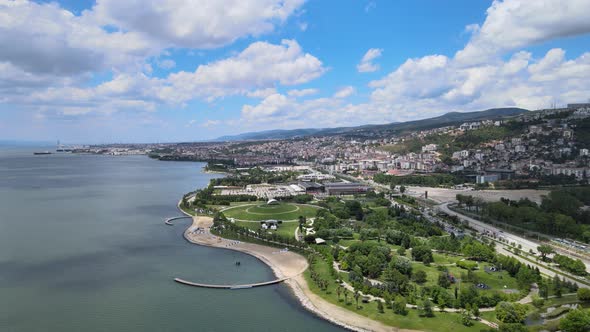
{"type": "Point", "coordinates": [162, 71]}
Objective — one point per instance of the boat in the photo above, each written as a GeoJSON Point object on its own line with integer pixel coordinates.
{"type": "Point", "coordinates": [41, 153]}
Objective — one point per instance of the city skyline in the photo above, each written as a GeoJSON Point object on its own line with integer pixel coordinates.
{"type": "Point", "coordinates": [105, 71]}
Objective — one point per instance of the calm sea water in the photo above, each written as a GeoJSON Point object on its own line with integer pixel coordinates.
{"type": "Point", "coordinates": [83, 247]}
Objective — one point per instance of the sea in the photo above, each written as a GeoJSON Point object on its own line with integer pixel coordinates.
{"type": "Point", "coordinates": [84, 247]}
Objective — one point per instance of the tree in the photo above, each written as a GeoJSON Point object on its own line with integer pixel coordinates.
{"type": "Point", "coordinates": [401, 251]}
{"type": "Point", "coordinates": [356, 297]}
{"type": "Point", "coordinates": [475, 310]}
{"type": "Point", "coordinates": [402, 189]}
{"type": "Point", "coordinates": [426, 308]}
{"type": "Point", "coordinates": [399, 306]}
{"type": "Point", "coordinates": [380, 306]}
{"type": "Point", "coordinates": [584, 294]}
{"type": "Point", "coordinates": [402, 264]}
{"type": "Point", "coordinates": [575, 321]}
{"type": "Point", "coordinates": [557, 286]}
{"type": "Point", "coordinates": [442, 303]}
{"type": "Point", "coordinates": [545, 250]}
{"type": "Point", "coordinates": [544, 290]}
{"type": "Point", "coordinates": [538, 302]}
{"type": "Point", "coordinates": [507, 312]}
{"type": "Point", "coordinates": [419, 277]}
{"type": "Point", "coordinates": [338, 292]}
{"type": "Point", "coordinates": [466, 317]}
{"type": "Point", "coordinates": [302, 222]}
{"type": "Point", "coordinates": [346, 295]}
{"type": "Point", "coordinates": [422, 254]}
{"type": "Point", "coordinates": [443, 280]}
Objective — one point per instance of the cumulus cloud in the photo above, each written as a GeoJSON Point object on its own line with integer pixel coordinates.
{"type": "Point", "coordinates": [254, 72]}
{"type": "Point", "coordinates": [210, 123]}
{"type": "Point", "coordinates": [261, 65]}
{"type": "Point", "coordinates": [512, 24]}
{"type": "Point", "coordinates": [491, 70]}
{"type": "Point", "coordinates": [344, 92]}
{"type": "Point", "coordinates": [46, 39]}
{"type": "Point", "coordinates": [302, 92]}
{"type": "Point", "coordinates": [261, 93]}
{"type": "Point", "coordinates": [195, 24]}
{"type": "Point", "coordinates": [432, 85]}
{"type": "Point", "coordinates": [366, 65]}
{"type": "Point", "coordinates": [167, 64]}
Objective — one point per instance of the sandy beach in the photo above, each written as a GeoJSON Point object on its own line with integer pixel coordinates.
{"type": "Point", "coordinates": [290, 265]}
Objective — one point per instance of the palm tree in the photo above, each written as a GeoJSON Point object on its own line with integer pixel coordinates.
{"type": "Point", "coordinates": [338, 291]}
{"type": "Point", "coordinates": [346, 295]}
{"type": "Point", "coordinates": [356, 298]}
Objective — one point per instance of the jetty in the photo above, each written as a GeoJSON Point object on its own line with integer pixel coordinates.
{"type": "Point", "coordinates": [242, 286]}
{"type": "Point", "coordinates": [169, 221]}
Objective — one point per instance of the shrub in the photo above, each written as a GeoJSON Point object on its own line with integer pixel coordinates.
{"type": "Point", "coordinates": [467, 265]}
{"type": "Point", "coordinates": [584, 294]}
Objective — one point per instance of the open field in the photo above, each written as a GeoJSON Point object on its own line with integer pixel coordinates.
{"type": "Point", "coordinates": [445, 195]}
{"type": "Point", "coordinates": [262, 211]}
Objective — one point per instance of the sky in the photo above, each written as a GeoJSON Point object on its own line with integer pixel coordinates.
{"type": "Point", "coordinates": [112, 71]}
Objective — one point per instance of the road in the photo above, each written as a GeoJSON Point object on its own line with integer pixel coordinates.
{"type": "Point", "coordinates": [482, 227]}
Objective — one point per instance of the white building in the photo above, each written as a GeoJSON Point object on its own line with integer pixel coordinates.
{"type": "Point", "coordinates": [429, 148]}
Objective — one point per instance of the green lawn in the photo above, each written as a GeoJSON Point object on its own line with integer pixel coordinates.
{"type": "Point", "coordinates": [441, 321]}
{"type": "Point", "coordinates": [285, 229]}
{"type": "Point", "coordinates": [495, 280]}
{"type": "Point", "coordinates": [261, 211]}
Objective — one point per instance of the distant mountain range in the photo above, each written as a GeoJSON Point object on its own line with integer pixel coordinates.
{"type": "Point", "coordinates": [396, 128]}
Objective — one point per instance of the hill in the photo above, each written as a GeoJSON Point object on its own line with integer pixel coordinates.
{"type": "Point", "coordinates": [448, 119]}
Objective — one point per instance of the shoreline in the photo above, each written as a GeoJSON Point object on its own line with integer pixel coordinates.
{"type": "Point", "coordinates": [282, 268]}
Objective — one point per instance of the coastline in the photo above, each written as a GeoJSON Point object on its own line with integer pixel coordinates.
{"type": "Point", "coordinates": [291, 266]}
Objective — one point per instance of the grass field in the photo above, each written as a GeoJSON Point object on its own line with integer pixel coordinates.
{"type": "Point", "coordinates": [285, 229]}
{"type": "Point", "coordinates": [261, 211]}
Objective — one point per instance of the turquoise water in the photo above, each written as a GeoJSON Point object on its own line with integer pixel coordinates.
{"type": "Point", "coordinates": [83, 247]}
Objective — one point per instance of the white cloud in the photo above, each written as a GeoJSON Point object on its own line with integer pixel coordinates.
{"type": "Point", "coordinates": [195, 24]}
{"type": "Point", "coordinates": [302, 92]}
{"type": "Point", "coordinates": [210, 123]}
{"type": "Point", "coordinates": [166, 64]}
{"type": "Point", "coordinates": [261, 93]}
{"type": "Point", "coordinates": [261, 65]}
{"type": "Point", "coordinates": [344, 92]}
{"type": "Point", "coordinates": [433, 85]}
{"type": "Point", "coordinates": [366, 65]}
{"type": "Point", "coordinates": [253, 72]}
{"type": "Point", "coordinates": [46, 39]}
{"type": "Point", "coordinates": [512, 24]}
{"type": "Point", "coordinates": [272, 106]}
